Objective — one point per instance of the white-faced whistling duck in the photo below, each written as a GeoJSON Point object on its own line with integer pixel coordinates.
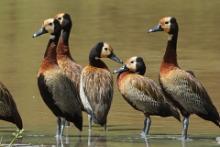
{"type": "Point", "coordinates": [56, 89]}
{"type": "Point", "coordinates": [8, 108]}
{"type": "Point", "coordinates": [185, 90]}
{"type": "Point", "coordinates": [142, 93]}
{"type": "Point", "coordinates": [64, 59]}
{"type": "Point", "coordinates": [96, 84]}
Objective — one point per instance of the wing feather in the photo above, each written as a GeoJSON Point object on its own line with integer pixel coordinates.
{"type": "Point", "coordinates": [64, 92]}
{"type": "Point", "coordinates": [185, 89]}
{"type": "Point", "coordinates": [144, 95]}
{"type": "Point", "coordinates": [97, 86]}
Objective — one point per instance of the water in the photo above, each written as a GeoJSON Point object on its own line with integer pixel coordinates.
{"type": "Point", "coordinates": [123, 24]}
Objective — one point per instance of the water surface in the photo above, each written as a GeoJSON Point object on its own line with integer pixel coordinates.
{"type": "Point", "coordinates": [123, 24]}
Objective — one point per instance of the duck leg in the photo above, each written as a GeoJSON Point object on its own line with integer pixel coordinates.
{"type": "Point", "coordinates": [90, 122]}
{"type": "Point", "coordinates": [147, 124]}
{"type": "Point", "coordinates": [185, 127]}
{"type": "Point", "coordinates": [105, 127]}
{"type": "Point", "coordinates": [60, 126]}
{"type": "Point", "coordinates": [59, 142]}
{"type": "Point", "coordinates": [66, 124]}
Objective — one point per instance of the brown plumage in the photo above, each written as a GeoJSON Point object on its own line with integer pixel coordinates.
{"type": "Point", "coordinates": [96, 84]}
{"type": "Point", "coordinates": [56, 89]}
{"type": "Point", "coordinates": [142, 93]}
{"type": "Point", "coordinates": [64, 58]}
{"type": "Point", "coordinates": [8, 108]}
{"type": "Point", "coordinates": [182, 87]}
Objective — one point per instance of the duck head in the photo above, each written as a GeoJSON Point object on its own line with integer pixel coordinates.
{"type": "Point", "coordinates": [134, 64]}
{"type": "Point", "coordinates": [51, 26]}
{"type": "Point", "coordinates": [166, 24]}
{"type": "Point", "coordinates": [103, 50]}
{"type": "Point", "coordinates": [64, 20]}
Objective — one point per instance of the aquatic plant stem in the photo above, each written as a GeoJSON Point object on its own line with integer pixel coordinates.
{"type": "Point", "coordinates": [17, 135]}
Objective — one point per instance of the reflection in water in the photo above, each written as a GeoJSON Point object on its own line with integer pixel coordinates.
{"type": "Point", "coordinates": [183, 143]}
{"type": "Point", "coordinates": [146, 142]}
{"type": "Point", "coordinates": [97, 141]}
{"type": "Point", "coordinates": [93, 141]}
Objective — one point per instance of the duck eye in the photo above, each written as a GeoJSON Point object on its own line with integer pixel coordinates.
{"type": "Point", "coordinates": [59, 18]}
{"type": "Point", "coordinates": [50, 23]}
{"type": "Point", "coordinates": [105, 49]}
{"type": "Point", "coordinates": [166, 22]}
{"type": "Point", "coordinates": [132, 62]}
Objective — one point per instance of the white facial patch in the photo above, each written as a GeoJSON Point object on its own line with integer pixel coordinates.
{"type": "Point", "coordinates": [50, 28]}
{"type": "Point", "coordinates": [60, 19]}
{"type": "Point", "coordinates": [105, 51]}
{"type": "Point", "coordinates": [167, 23]}
{"type": "Point", "coordinates": [131, 63]}
{"type": "Point", "coordinates": [49, 25]}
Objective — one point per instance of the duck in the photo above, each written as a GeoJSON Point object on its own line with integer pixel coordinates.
{"type": "Point", "coordinates": [142, 93]}
{"type": "Point", "coordinates": [8, 108]}
{"type": "Point", "coordinates": [56, 89]}
{"type": "Point", "coordinates": [96, 84]}
{"type": "Point", "coordinates": [64, 58]}
{"type": "Point", "coordinates": [182, 87]}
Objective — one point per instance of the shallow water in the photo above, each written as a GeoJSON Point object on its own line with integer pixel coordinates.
{"type": "Point", "coordinates": [123, 24]}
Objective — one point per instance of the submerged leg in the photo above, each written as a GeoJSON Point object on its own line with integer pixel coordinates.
{"type": "Point", "coordinates": [146, 129]}
{"type": "Point", "coordinates": [105, 127]}
{"type": "Point", "coordinates": [63, 121]}
{"type": "Point", "coordinates": [66, 124]}
{"type": "Point", "coordinates": [185, 127]}
{"type": "Point", "coordinates": [59, 142]}
{"type": "Point", "coordinates": [60, 126]}
{"type": "Point", "coordinates": [59, 123]}
{"type": "Point", "coordinates": [90, 122]}
{"type": "Point", "coordinates": [90, 129]}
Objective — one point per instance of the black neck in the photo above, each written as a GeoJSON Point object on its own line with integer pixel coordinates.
{"type": "Point", "coordinates": [65, 36]}
{"type": "Point", "coordinates": [63, 45]}
{"type": "Point", "coordinates": [96, 62]}
{"type": "Point", "coordinates": [170, 55]}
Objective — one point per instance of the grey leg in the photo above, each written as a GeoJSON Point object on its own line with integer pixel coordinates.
{"type": "Point", "coordinates": [90, 129]}
{"type": "Point", "coordinates": [147, 124]}
{"type": "Point", "coordinates": [60, 126]}
{"type": "Point", "coordinates": [146, 129]}
{"type": "Point", "coordinates": [63, 121]}
{"type": "Point", "coordinates": [105, 127]}
{"type": "Point", "coordinates": [66, 124]}
{"type": "Point", "coordinates": [59, 142]}
{"type": "Point", "coordinates": [185, 127]}
{"type": "Point", "coordinates": [58, 132]}
{"type": "Point", "coordinates": [90, 122]}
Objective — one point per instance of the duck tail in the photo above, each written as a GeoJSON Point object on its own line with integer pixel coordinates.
{"type": "Point", "coordinates": [176, 114]}
{"type": "Point", "coordinates": [217, 122]}
{"type": "Point", "coordinates": [77, 121]}
{"type": "Point", "coordinates": [18, 121]}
